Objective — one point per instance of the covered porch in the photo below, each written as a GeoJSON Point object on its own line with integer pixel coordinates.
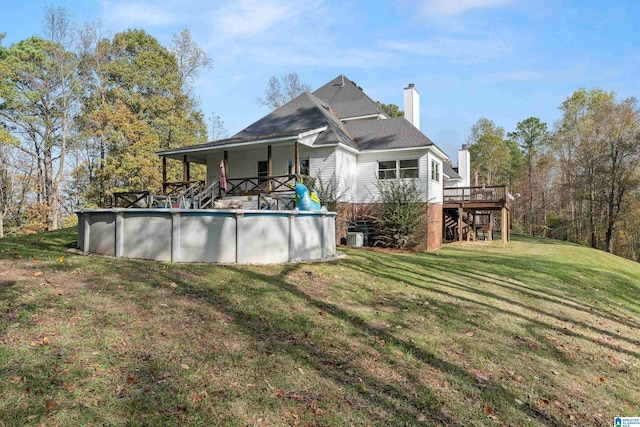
{"type": "Point", "coordinates": [248, 167]}
{"type": "Point", "coordinates": [245, 168]}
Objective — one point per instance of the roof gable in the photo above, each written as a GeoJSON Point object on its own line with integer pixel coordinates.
{"type": "Point", "coordinates": [347, 99]}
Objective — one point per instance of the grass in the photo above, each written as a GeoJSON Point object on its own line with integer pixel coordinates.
{"type": "Point", "coordinates": [537, 333]}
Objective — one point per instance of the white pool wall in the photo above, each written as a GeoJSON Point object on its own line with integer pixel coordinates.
{"type": "Point", "coordinates": [216, 236]}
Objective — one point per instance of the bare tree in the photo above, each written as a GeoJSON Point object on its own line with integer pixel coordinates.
{"type": "Point", "coordinates": [191, 58]}
{"type": "Point", "coordinates": [217, 127]}
{"type": "Point", "coordinates": [282, 90]}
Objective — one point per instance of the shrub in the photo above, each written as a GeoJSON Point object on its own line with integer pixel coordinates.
{"type": "Point", "coordinates": [400, 222]}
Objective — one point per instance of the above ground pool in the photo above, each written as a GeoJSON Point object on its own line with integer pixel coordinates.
{"type": "Point", "coordinates": [219, 236]}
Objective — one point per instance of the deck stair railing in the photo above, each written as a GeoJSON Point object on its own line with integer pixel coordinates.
{"type": "Point", "coordinates": [204, 199]}
{"type": "Point", "coordinates": [451, 225]}
{"type": "Point", "coordinates": [174, 189]}
{"type": "Point", "coordinates": [186, 198]}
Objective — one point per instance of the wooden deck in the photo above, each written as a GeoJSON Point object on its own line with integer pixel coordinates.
{"type": "Point", "coordinates": [481, 198]}
{"type": "Point", "coordinates": [467, 210]}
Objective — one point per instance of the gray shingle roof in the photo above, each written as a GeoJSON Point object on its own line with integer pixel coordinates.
{"type": "Point", "coordinates": [300, 113]}
{"type": "Point", "coordinates": [347, 99]}
{"type": "Point", "coordinates": [450, 172]}
{"type": "Point", "coordinates": [387, 134]}
{"type": "Point", "coordinates": [303, 113]}
{"type": "Point", "coordinates": [326, 107]}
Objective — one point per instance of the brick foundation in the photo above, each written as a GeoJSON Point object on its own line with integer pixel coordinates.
{"type": "Point", "coordinates": [366, 211]}
{"type": "Point", "coordinates": [434, 226]}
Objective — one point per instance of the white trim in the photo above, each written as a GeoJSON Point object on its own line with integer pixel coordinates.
{"type": "Point", "coordinates": [389, 150]}
{"type": "Point", "coordinates": [341, 145]}
{"type": "Point", "coordinates": [442, 154]}
{"type": "Point", "coordinates": [311, 132]}
{"type": "Point", "coordinates": [232, 144]}
{"type": "Point", "coordinates": [369, 116]}
{"type": "Point", "coordinates": [450, 178]}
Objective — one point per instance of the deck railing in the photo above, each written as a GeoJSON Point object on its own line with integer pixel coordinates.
{"type": "Point", "coordinates": [174, 189]}
{"type": "Point", "coordinates": [205, 198]}
{"type": "Point", "coordinates": [263, 184]}
{"type": "Point", "coordinates": [132, 199]}
{"type": "Point", "coordinates": [491, 194]}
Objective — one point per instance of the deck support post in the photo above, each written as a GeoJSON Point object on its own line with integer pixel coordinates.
{"type": "Point", "coordinates": [470, 227]}
{"type": "Point", "coordinates": [490, 233]}
{"type": "Point", "coordinates": [460, 212]}
{"type": "Point", "coordinates": [504, 225]}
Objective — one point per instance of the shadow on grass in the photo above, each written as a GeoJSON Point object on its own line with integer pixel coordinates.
{"type": "Point", "coordinates": [387, 271]}
{"type": "Point", "coordinates": [274, 331]}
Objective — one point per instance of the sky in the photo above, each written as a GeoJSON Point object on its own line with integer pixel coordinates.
{"type": "Point", "coordinates": [506, 60]}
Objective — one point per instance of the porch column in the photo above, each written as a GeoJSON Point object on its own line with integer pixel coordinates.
{"type": "Point", "coordinates": [269, 168]}
{"type": "Point", "coordinates": [185, 171]}
{"type": "Point", "coordinates": [296, 157]}
{"type": "Point", "coordinates": [226, 163]}
{"type": "Point", "coordinates": [460, 212]}
{"type": "Point", "coordinates": [164, 176]}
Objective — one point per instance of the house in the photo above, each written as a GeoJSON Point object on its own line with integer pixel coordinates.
{"type": "Point", "coordinates": [335, 134]}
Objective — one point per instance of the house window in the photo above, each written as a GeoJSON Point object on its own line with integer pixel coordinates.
{"type": "Point", "coordinates": [435, 170]}
{"type": "Point", "coordinates": [387, 170]}
{"type": "Point", "coordinates": [263, 169]}
{"type": "Point", "coordinates": [408, 168]}
{"type": "Point", "coordinates": [304, 167]}
{"type": "Point", "coordinates": [393, 169]}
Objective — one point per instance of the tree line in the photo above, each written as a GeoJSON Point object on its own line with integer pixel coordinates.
{"type": "Point", "coordinates": [579, 181]}
{"type": "Point", "coordinates": [82, 115]}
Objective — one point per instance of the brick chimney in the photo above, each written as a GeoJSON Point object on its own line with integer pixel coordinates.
{"type": "Point", "coordinates": [412, 105]}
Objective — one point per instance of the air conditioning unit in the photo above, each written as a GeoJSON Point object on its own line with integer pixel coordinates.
{"type": "Point", "coordinates": [355, 239]}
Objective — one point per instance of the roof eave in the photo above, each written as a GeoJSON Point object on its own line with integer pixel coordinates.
{"type": "Point", "coordinates": [186, 150]}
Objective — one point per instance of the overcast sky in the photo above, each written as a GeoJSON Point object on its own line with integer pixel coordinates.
{"type": "Point", "coordinates": [502, 59]}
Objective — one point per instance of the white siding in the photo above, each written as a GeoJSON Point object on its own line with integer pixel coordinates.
{"type": "Point", "coordinates": [435, 187]}
{"type": "Point", "coordinates": [346, 174]}
{"type": "Point", "coordinates": [366, 190]}
{"type": "Point", "coordinates": [322, 162]}
{"type": "Point", "coordinates": [243, 163]}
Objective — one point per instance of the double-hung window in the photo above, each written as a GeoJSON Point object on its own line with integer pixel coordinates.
{"type": "Point", "coordinates": [435, 171]}
{"type": "Point", "coordinates": [408, 168]}
{"type": "Point", "coordinates": [392, 169]}
{"type": "Point", "coordinates": [387, 170]}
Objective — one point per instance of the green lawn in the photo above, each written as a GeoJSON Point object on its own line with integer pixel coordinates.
{"type": "Point", "coordinates": [535, 333]}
